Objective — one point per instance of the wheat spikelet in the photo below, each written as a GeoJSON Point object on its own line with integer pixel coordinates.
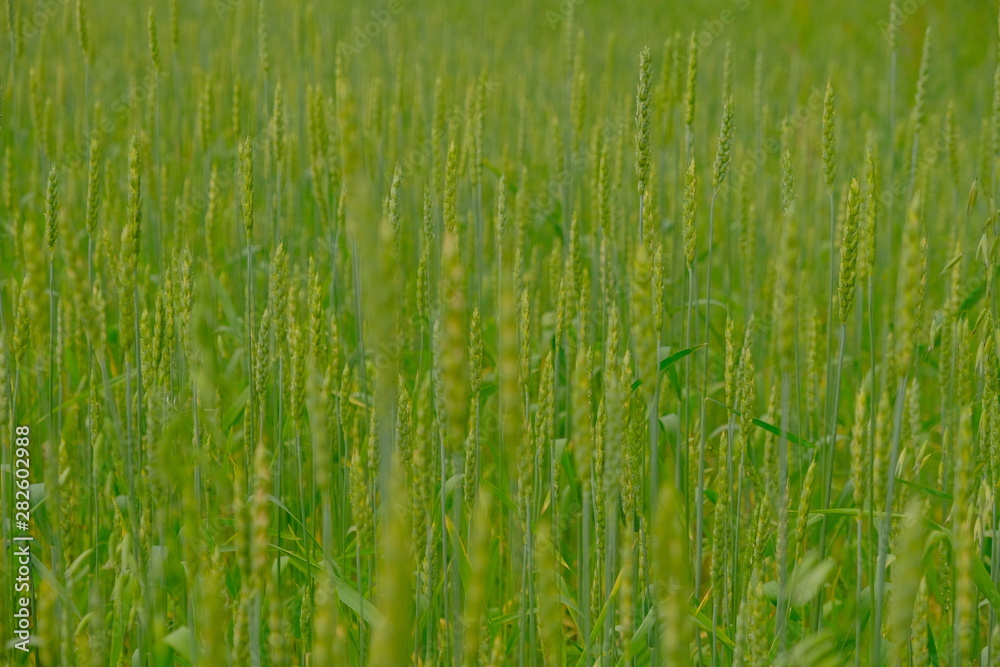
{"type": "Point", "coordinates": [723, 155]}
{"type": "Point", "coordinates": [849, 251]}
{"type": "Point", "coordinates": [642, 122]}
{"type": "Point", "coordinates": [689, 210]}
{"type": "Point", "coordinates": [829, 137]}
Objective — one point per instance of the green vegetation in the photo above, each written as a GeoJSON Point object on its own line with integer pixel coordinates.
{"type": "Point", "coordinates": [501, 333]}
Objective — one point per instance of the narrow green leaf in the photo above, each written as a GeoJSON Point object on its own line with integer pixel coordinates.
{"type": "Point", "coordinates": [671, 360]}
{"type": "Point", "coordinates": [771, 428]}
{"type": "Point", "coordinates": [180, 641]}
{"type": "Point", "coordinates": [349, 595]}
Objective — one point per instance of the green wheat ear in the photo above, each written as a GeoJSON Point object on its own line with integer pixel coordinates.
{"type": "Point", "coordinates": [722, 157]}
{"type": "Point", "coordinates": [83, 31]}
{"type": "Point", "coordinates": [453, 340]}
{"type": "Point", "coordinates": [549, 605]}
{"type": "Point", "coordinates": [643, 111]}
{"type": "Point", "coordinates": [860, 446]}
{"type": "Point", "coordinates": [582, 410]}
{"type": "Point", "coordinates": [93, 187]}
{"type": "Point", "coordinates": [478, 593]}
{"type": "Point", "coordinates": [472, 441]}
{"type": "Point", "coordinates": [692, 79]}
{"type": "Point", "coordinates": [246, 188]}
{"type": "Point", "coordinates": [154, 45]}
{"type": "Point", "coordinates": [130, 242]}
{"type": "Point", "coordinates": [912, 284]}
{"type": "Point", "coordinates": [392, 636]}
{"type": "Point", "coordinates": [689, 210]}
{"type": "Point", "coordinates": [51, 212]}
{"type": "Point", "coordinates": [786, 291]}
{"type": "Point", "coordinates": [643, 332]}
{"type": "Point", "coordinates": [787, 176]}
{"type": "Point", "coordinates": [920, 96]}
{"type": "Point", "coordinates": [802, 518]}
{"type": "Point", "coordinates": [829, 138]}
{"type": "Point", "coordinates": [721, 534]}
{"type": "Point", "coordinates": [849, 251]}
{"type": "Point", "coordinates": [671, 573]}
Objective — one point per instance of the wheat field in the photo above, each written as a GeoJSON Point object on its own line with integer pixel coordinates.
{"type": "Point", "coordinates": [528, 333]}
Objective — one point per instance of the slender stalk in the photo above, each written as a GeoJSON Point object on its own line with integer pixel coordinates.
{"type": "Point", "coordinates": [891, 139]}
{"type": "Point", "coordinates": [57, 556]}
{"type": "Point", "coordinates": [158, 224]}
{"type": "Point", "coordinates": [654, 439]}
{"type": "Point", "coordinates": [361, 625]}
{"type": "Point", "coordinates": [700, 491]}
{"type": "Point", "coordinates": [883, 536]}
{"type": "Point", "coordinates": [736, 542]}
{"type": "Point", "coordinates": [858, 593]}
{"type": "Point", "coordinates": [829, 461]}
{"type": "Point", "coordinates": [585, 572]}
{"type": "Point", "coordinates": [733, 510]}
{"type": "Point", "coordinates": [781, 620]}
{"type": "Point", "coordinates": [530, 588]}
{"type": "Point", "coordinates": [831, 297]}
{"type": "Point", "coordinates": [522, 606]}
{"type": "Point", "coordinates": [609, 567]}
{"type": "Point", "coordinates": [306, 539]}
{"type": "Point", "coordinates": [684, 472]}
{"type": "Point", "coordinates": [445, 576]}
{"type": "Point", "coordinates": [280, 444]}
{"type": "Point", "coordinates": [872, 408]}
